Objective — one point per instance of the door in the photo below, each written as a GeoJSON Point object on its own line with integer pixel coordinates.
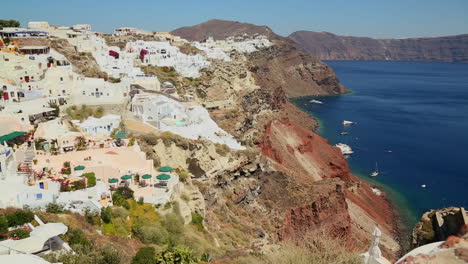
{"type": "Point", "coordinates": [26, 78]}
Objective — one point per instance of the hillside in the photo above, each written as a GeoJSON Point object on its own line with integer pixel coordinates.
{"type": "Point", "coordinates": [328, 46]}
{"type": "Point", "coordinates": [280, 66]}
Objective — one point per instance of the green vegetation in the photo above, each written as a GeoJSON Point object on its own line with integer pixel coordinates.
{"type": "Point", "coordinates": [183, 174]}
{"type": "Point", "coordinates": [106, 214]}
{"type": "Point", "coordinates": [164, 74]}
{"type": "Point", "coordinates": [3, 224]}
{"type": "Point", "coordinates": [54, 208]}
{"type": "Point", "coordinates": [19, 217]}
{"type": "Point", "coordinates": [197, 221]}
{"type": "Point", "coordinates": [167, 138]}
{"type": "Point", "coordinates": [19, 233]}
{"type": "Point", "coordinates": [9, 23]}
{"type": "Point", "coordinates": [82, 113]}
{"type": "Point", "coordinates": [91, 177]}
{"type": "Point", "coordinates": [145, 255]}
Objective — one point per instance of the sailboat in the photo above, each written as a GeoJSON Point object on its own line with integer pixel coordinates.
{"type": "Point", "coordinates": [376, 172]}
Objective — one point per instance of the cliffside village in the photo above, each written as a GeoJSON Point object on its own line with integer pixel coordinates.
{"type": "Point", "coordinates": [48, 157]}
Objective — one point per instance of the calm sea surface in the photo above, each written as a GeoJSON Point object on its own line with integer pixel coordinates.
{"type": "Point", "coordinates": [417, 110]}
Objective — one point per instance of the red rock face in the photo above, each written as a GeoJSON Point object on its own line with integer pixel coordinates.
{"type": "Point", "coordinates": [310, 160]}
{"type": "Point", "coordinates": [302, 154]}
{"type": "Point", "coordinates": [328, 213]}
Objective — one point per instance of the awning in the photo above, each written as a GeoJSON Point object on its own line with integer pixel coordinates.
{"type": "Point", "coordinates": [11, 136]}
{"type": "Point", "coordinates": [163, 177]}
{"type": "Point", "coordinates": [165, 169]}
{"type": "Point", "coordinates": [146, 176]}
{"type": "Point", "coordinates": [126, 177]}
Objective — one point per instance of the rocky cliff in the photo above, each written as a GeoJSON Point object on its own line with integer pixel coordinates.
{"type": "Point", "coordinates": [328, 46]}
{"type": "Point", "coordinates": [297, 183]}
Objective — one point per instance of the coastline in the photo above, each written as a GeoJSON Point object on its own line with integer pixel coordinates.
{"type": "Point", "coordinates": [402, 216]}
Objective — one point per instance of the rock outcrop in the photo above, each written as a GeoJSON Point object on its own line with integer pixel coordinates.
{"type": "Point", "coordinates": [438, 225]}
{"type": "Point", "coordinates": [327, 46]}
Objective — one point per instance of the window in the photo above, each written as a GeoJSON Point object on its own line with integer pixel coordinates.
{"type": "Point", "coordinates": [63, 91]}
{"type": "Point", "coordinates": [50, 91]}
{"type": "Point", "coordinates": [97, 89]}
{"type": "Point", "coordinates": [12, 94]}
{"type": "Point", "coordinates": [61, 79]}
{"type": "Point", "coordinates": [84, 93]}
{"type": "Point", "coordinates": [92, 94]}
{"type": "Point", "coordinates": [5, 87]}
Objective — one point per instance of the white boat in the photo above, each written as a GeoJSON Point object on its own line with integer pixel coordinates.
{"type": "Point", "coordinates": [376, 172]}
{"type": "Point", "coordinates": [344, 133]}
{"type": "Point", "coordinates": [345, 149]}
{"type": "Point", "coordinates": [315, 101]}
{"type": "Point", "coordinates": [346, 122]}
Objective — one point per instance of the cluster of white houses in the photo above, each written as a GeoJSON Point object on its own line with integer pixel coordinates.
{"type": "Point", "coordinates": [36, 144]}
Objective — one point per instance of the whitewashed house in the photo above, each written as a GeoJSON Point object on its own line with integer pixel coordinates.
{"type": "Point", "coordinates": [103, 125]}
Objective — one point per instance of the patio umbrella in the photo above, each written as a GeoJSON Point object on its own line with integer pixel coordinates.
{"type": "Point", "coordinates": [126, 177]}
{"type": "Point", "coordinates": [146, 176]}
{"type": "Point", "coordinates": [80, 167]}
{"type": "Point", "coordinates": [165, 169]}
{"type": "Point", "coordinates": [163, 177]}
{"type": "Point", "coordinates": [113, 180]}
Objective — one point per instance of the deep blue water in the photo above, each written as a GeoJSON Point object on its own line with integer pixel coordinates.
{"type": "Point", "coordinates": [419, 111]}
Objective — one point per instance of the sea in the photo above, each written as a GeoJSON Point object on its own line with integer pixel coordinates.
{"type": "Point", "coordinates": [411, 122]}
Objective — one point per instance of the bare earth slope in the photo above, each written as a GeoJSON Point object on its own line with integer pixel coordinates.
{"type": "Point", "coordinates": [327, 46]}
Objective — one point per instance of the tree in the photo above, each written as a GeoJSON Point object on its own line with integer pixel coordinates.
{"type": "Point", "coordinates": [77, 237]}
{"type": "Point", "coordinates": [19, 217]}
{"type": "Point", "coordinates": [119, 200]}
{"type": "Point", "coordinates": [9, 23]}
{"type": "Point", "coordinates": [125, 191]}
{"type": "Point", "coordinates": [19, 233]}
{"type": "Point", "coordinates": [106, 214]}
{"type": "Point", "coordinates": [145, 255]}
{"type": "Point", "coordinates": [3, 224]}
{"type": "Point", "coordinates": [110, 255]}
{"type": "Point", "coordinates": [81, 143]}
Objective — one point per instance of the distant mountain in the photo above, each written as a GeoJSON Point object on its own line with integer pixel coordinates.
{"type": "Point", "coordinates": [328, 46]}
{"type": "Point", "coordinates": [220, 29]}
{"type": "Point", "coordinates": [280, 66]}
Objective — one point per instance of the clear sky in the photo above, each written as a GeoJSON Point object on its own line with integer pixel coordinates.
{"type": "Point", "coordinates": [373, 18]}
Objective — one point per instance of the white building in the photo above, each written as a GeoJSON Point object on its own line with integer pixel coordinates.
{"type": "Point", "coordinates": [122, 31]}
{"type": "Point", "coordinates": [188, 121]}
{"type": "Point", "coordinates": [163, 54]}
{"type": "Point", "coordinates": [103, 125]}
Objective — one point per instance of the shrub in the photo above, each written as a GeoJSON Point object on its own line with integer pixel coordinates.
{"type": "Point", "coordinates": [77, 237]}
{"type": "Point", "coordinates": [119, 200]}
{"type": "Point", "coordinates": [19, 217]}
{"type": "Point", "coordinates": [19, 233]}
{"type": "Point", "coordinates": [54, 208]}
{"type": "Point", "coordinates": [145, 255]}
{"type": "Point", "coordinates": [110, 255]}
{"type": "Point", "coordinates": [3, 224]}
{"type": "Point", "coordinates": [126, 192]}
{"type": "Point", "coordinates": [183, 174]}
{"type": "Point", "coordinates": [197, 220]}
{"type": "Point", "coordinates": [177, 255]}
{"type": "Point", "coordinates": [91, 179]}
{"type": "Point", "coordinates": [118, 212]}
{"type": "Point", "coordinates": [131, 142]}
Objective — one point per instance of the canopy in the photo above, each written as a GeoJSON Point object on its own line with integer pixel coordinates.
{"type": "Point", "coordinates": [11, 136]}
{"type": "Point", "coordinates": [49, 230]}
{"type": "Point", "coordinates": [113, 180]}
{"type": "Point", "coordinates": [126, 177]}
{"type": "Point", "coordinates": [146, 176]}
{"type": "Point", "coordinates": [22, 259]}
{"type": "Point", "coordinates": [80, 167]}
{"type": "Point", "coordinates": [165, 169]}
{"type": "Point", "coordinates": [163, 177]}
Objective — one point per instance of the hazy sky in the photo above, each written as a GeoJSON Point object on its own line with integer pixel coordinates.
{"type": "Point", "coordinates": [373, 18]}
